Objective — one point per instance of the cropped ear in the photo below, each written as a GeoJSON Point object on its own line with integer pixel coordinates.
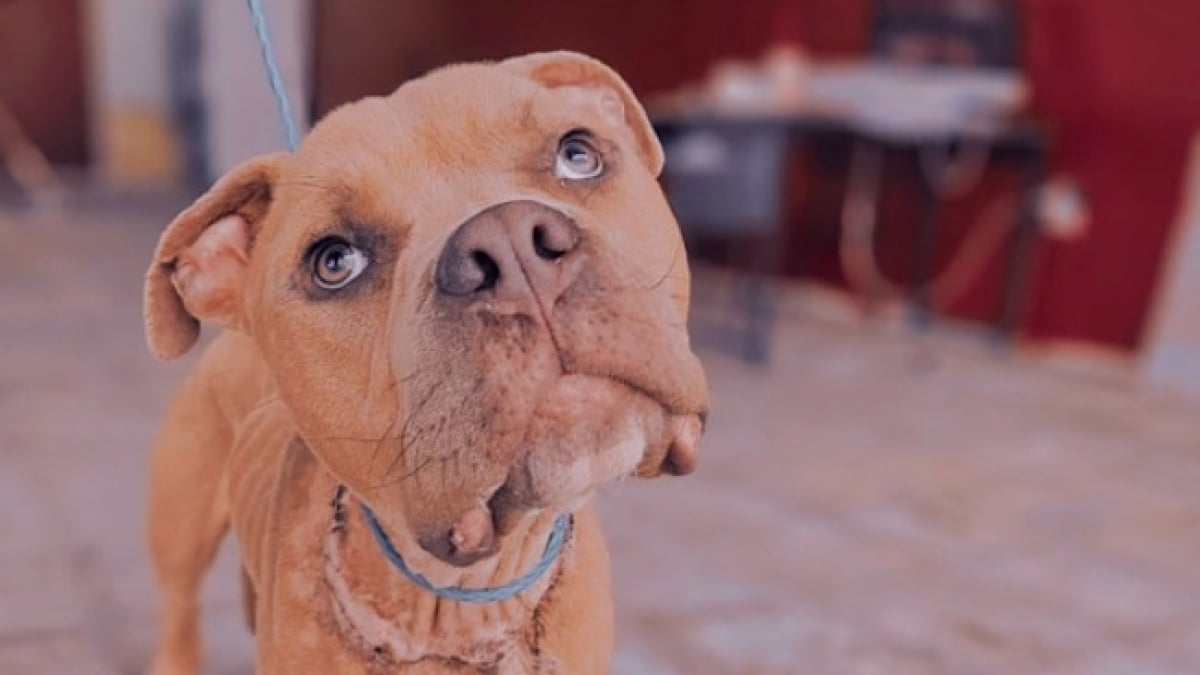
{"type": "Point", "coordinates": [199, 266]}
{"type": "Point", "coordinates": [571, 69]}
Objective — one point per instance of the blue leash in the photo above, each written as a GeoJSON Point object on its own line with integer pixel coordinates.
{"type": "Point", "coordinates": [562, 525]}
{"type": "Point", "coordinates": [277, 85]}
{"type": "Point", "coordinates": [558, 538]}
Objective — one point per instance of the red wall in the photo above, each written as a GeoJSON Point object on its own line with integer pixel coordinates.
{"type": "Point", "coordinates": [1117, 82]}
{"type": "Point", "coordinates": [365, 46]}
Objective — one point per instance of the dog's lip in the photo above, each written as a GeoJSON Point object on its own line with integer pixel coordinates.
{"type": "Point", "coordinates": [663, 399]}
{"type": "Point", "coordinates": [505, 507]}
{"type": "Point", "coordinates": [681, 453]}
{"type": "Point", "coordinates": [470, 538]}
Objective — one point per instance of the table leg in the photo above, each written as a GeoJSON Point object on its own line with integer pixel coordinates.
{"type": "Point", "coordinates": [760, 300]}
{"type": "Point", "coordinates": [924, 254]}
{"type": "Point", "coordinates": [1020, 262]}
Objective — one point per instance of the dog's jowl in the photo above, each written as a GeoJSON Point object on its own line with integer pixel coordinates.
{"type": "Point", "coordinates": [449, 317]}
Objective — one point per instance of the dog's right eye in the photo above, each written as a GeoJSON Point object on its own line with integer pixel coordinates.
{"type": "Point", "coordinates": [336, 262]}
{"type": "Point", "coordinates": [578, 158]}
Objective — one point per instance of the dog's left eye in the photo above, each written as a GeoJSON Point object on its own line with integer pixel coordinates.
{"type": "Point", "coordinates": [578, 158]}
{"type": "Point", "coordinates": [336, 262]}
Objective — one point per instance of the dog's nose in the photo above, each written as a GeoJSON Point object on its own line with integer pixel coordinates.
{"type": "Point", "coordinates": [519, 250]}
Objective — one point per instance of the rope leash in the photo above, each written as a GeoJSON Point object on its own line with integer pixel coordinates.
{"type": "Point", "coordinates": [277, 86]}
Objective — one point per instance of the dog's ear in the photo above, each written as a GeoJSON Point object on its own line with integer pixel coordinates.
{"type": "Point", "coordinates": [199, 266]}
{"type": "Point", "coordinates": [571, 69]}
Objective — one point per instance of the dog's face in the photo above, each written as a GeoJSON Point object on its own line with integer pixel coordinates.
{"type": "Point", "coordinates": [472, 295]}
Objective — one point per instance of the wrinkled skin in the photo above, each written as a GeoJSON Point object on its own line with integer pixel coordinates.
{"type": "Point", "coordinates": [466, 421]}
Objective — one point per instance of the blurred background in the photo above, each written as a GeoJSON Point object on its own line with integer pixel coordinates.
{"type": "Point", "coordinates": [947, 258]}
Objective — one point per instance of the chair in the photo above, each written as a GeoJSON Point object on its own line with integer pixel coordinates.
{"type": "Point", "coordinates": [724, 182]}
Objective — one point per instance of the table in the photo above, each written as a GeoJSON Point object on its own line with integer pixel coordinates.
{"type": "Point", "coordinates": [1023, 142]}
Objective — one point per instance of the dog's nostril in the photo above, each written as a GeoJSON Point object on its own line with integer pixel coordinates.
{"type": "Point", "coordinates": [540, 245]}
{"type": "Point", "coordinates": [552, 243]}
{"type": "Point", "coordinates": [489, 271]}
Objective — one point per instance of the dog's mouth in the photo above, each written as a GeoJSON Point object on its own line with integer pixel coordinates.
{"type": "Point", "coordinates": [586, 432]}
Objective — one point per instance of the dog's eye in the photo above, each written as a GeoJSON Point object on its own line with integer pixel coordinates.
{"type": "Point", "coordinates": [335, 263]}
{"type": "Point", "coordinates": [578, 159]}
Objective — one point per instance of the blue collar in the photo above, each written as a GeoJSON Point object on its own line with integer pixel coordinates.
{"type": "Point", "coordinates": [554, 546]}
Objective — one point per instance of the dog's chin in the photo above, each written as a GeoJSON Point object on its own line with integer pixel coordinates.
{"type": "Point", "coordinates": [584, 432]}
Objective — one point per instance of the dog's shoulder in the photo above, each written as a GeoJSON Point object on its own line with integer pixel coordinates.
{"type": "Point", "coordinates": [232, 371]}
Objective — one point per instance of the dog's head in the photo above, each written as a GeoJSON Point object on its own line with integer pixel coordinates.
{"type": "Point", "coordinates": [472, 295]}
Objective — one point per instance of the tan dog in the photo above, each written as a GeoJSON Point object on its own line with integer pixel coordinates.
{"type": "Point", "coordinates": [463, 305]}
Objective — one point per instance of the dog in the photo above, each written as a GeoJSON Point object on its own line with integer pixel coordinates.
{"type": "Point", "coordinates": [448, 318]}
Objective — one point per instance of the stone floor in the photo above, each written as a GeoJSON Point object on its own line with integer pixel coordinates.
{"type": "Point", "coordinates": [872, 503]}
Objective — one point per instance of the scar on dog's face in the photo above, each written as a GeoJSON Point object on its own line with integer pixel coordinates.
{"type": "Point", "coordinates": [472, 295]}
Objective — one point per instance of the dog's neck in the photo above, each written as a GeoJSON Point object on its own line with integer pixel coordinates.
{"type": "Point", "coordinates": [390, 619]}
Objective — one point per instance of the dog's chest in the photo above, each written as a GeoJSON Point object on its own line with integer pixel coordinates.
{"type": "Point", "coordinates": [327, 584]}
{"type": "Point", "coordinates": [393, 629]}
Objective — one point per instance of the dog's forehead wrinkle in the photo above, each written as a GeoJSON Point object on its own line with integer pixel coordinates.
{"type": "Point", "coordinates": [449, 124]}
{"type": "Point", "coordinates": [338, 190]}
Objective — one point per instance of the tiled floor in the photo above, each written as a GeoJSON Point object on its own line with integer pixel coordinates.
{"type": "Point", "coordinates": [870, 504]}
